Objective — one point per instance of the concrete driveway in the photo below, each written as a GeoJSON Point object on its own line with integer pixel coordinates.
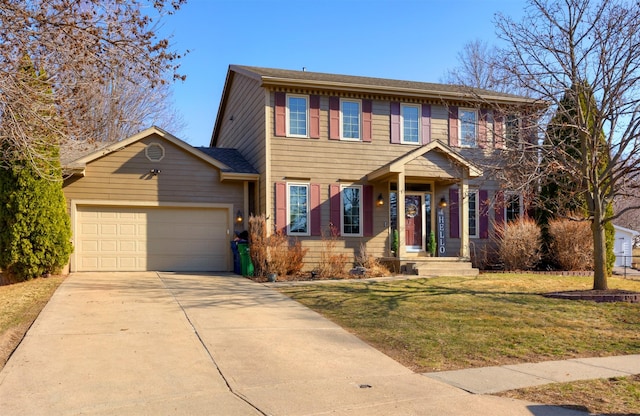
{"type": "Point", "coordinates": [187, 344]}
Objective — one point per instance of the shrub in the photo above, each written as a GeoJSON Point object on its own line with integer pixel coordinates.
{"type": "Point", "coordinates": [278, 251]}
{"type": "Point", "coordinates": [331, 264]}
{"type": "Point", "coordinates": [519, 244]}
{"type": "Point", "coordinates": [571, 245]}
{"type": "Point", "coordinates": [258, 249]}
{"type": "Point", "coordinates": [295, 257]}
{"type": "Point", "coordinates": [35, 231]}
{"type": "Point", "coordinates": [273, 254]}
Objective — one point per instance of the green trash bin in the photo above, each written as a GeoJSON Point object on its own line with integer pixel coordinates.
{"type": "Point", "coordinates": [246, 266]}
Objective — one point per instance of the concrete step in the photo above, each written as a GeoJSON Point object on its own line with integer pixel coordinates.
{"type": "Point", "coordinates": [446, 268]}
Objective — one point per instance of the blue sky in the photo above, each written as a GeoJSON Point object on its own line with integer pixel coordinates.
{"type": "Point", "coordinates": [415, 40]}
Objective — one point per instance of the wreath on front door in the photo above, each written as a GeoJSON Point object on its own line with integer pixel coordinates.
{"type": "Point", "coordinates": [411, 210]}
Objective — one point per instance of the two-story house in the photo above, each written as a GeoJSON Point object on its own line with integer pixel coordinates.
{"type": "Point", "coordinates": [371, 160]}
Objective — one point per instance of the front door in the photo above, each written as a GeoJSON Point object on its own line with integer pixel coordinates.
{"type": "Point", "coordinates": [413, 222]}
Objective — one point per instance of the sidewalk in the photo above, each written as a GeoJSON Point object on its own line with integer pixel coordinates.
{"type": "Point", "coordinates": [489, 380]}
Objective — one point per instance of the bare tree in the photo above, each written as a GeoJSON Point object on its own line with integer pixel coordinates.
{"type": "Point", "coordinates": [126, 105]}
{"type": "Point", "coordinates": [84, 46]}
{"type": "Point", "coordinates": [581, 58]}
{"type": "Point", "coordinates": [479, 67]}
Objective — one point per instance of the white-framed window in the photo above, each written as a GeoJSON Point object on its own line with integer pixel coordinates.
{"type": "Point", "coordinates": [410, 123]}
{"type": "Point", "coordinates": [513, 208]}
{"type": "Point", "coordinates": [351, 210]}
{"type": "Point", "coordinates": [298, 209]}
{"type": "Point", "coordinates": [474, 213]}
{"type": "Point", "coordinates": [297, 115]}
{"type": "Point", "coordinates": [350, 119]}
{"type": "Point", "coordinates": [468, 130]}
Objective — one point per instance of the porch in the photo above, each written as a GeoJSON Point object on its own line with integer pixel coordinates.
{"type": "Point", "coordinates": [428, 223]}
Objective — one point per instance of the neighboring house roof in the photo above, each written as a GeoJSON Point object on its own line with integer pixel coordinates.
{"type": "Point", "coordinates": [76, 162]}
{"type": "Point", "coordinates": [357, 84]}
{"type": "Point", "coordinates": [626, 230]}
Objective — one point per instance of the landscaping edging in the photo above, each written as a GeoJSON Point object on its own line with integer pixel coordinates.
{"type": "Point", "coordinates": [597, 295]}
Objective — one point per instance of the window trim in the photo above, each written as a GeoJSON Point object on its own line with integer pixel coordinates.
{"type": "Point", "coordinates": [360, 211]}
{"type": "Point", "coordinates": [308, 211]}
{"type": "Point", "coordinates": [418, 121]}
{"type": "Point", "coordinates": [288, 117]}
{"type": "Point", "coordinates": [476, 213]}
{"type": "Point", "coordinates": [475, 127]}
{"type": "Point", "coordinates": [359, 102]}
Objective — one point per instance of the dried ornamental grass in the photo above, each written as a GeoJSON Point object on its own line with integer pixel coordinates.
{"type": "Point", "coordinates": [520, 244]}
{"type": "Point", "coordinates": [571, 244]}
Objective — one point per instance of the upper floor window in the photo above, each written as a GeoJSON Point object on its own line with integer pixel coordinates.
{"type": "Point", "coordinates": [350, 119]}
{"type": "Point", "coordinates": [468, 127]}
{"type": "Point", "coordinates": [474, 213]}
{"type": "Point", "coordinates": [298, 209]}
{"type": "Point", "coordinates": [351, 207]}
{"type": "Point", "coordinates": [513, 207]}
{"type": "Point", "coordinates": [297, 115]}
{"type": "Point", "coordinates": [512, 130]}
{"type": "Point", "coordinates": [410, 124]}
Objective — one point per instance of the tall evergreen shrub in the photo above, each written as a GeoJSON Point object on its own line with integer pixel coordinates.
{"type": "Point", "coordinates": [35, 231]}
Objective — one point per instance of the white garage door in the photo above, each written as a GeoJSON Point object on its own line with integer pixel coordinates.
{"type": "Point", "coordinates": [151, 238]}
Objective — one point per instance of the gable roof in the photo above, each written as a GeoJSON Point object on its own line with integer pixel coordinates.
{"type": "Point", "coordinates": [285, 77]}
{"type": "Point", "coordinates": [237, 164]}
{"type": "Point", "coordinates": [397, 165]}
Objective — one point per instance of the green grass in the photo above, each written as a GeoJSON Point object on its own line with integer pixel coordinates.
{"type": "Point", "coordinates": [494, 319]}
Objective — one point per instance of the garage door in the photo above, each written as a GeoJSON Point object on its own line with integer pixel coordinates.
{"type": "Point", "coordinates": [151, 238]}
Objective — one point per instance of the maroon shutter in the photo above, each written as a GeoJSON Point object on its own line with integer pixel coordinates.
{"type": "Point", "coordinates": [280, 114]}
{"type": "Point", "coordinates": [334, 205]}
{"type": "Point", "coordinates": [483, 197]}
{"type": "Point", "coordinates": [395, 122]}
{"type": "Point", "coordinates": [281, 207]}
{"type": "Point", "coordinates": [366, 120]}
{"type": "Point", "coordinates": [334, 118]}
{"type": "Point", "coordinates": [426, 124]}
{"type": "Point", "coordinates": [314, 116]}
{"type": "Point", "coordinates": [498, 130]}
{"type": "Point", "coordinates": [315, 209]}
{"type": "Point", "coordinates": [367, 210]}
{"type": "Point", "coordinates": [453, 126]}
{"type": "Point", "coordinates": [499, 209]}
{"type": "Point", "coordinates": [454, 214]}
{"type": "Point", "coordinates": [482, 129]}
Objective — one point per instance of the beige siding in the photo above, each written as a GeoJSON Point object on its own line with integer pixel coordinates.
{"type": "Point", "coordinates": [440, 123]}
{"type": "Point", "coordinates": [326, 162]}
{"type": "Point", "coordinates": [247, 131]}
{"type": "Point", "coordinates": [124, 176]}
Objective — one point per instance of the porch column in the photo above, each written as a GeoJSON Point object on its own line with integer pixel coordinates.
{"type": "Point", "coordinates": [402, 242]}
{"type": "Point", "coordinates": [464, 215]}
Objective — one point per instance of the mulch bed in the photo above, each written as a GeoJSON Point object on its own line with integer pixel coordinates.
{"type": "Point", "coordinates": [613, 295]}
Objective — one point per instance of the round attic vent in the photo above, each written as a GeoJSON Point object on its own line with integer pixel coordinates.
{"type": "Point", "coordinates": [154, 152]}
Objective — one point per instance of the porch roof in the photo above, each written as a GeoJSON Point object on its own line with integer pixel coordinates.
{"type": "Point", "coordinates": [398, 165]}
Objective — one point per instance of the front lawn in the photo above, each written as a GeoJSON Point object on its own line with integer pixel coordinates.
{"type": "Point", "coordinates": [494, 319]}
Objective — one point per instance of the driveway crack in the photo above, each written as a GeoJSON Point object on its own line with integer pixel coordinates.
{"type": "Point", "coordinates": [204, 345]}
